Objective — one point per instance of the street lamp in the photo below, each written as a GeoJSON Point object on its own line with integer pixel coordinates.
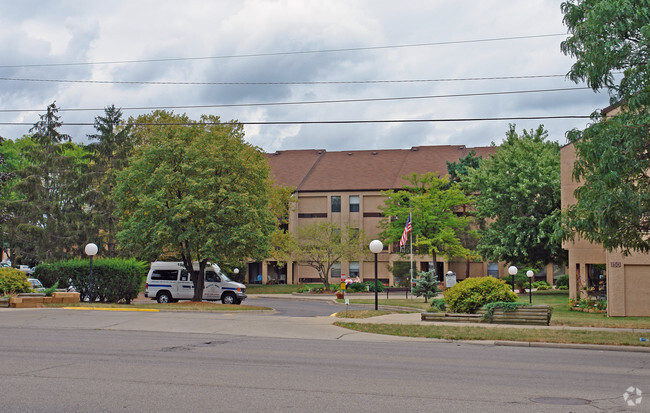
{"type": "Point", "coordinates": [91, 249]}
{"type": "Point", "coordinates": [530, 274]}
{"type": "Point", "coordinates": [512, 270]}
{"type": "Point", "coordinates": [375, 247]}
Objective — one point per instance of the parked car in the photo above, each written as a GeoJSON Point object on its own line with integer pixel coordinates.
{"type": "Point", "coordinates": [36, 285]}
{"type": "Point", "coordinates": [26, 269]}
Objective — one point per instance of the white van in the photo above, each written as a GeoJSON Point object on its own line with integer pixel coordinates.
{"type": "Point", "coordinates": [170, 281]}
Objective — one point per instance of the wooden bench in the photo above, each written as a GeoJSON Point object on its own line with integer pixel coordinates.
{"type": "Point", "coordinates": [525, 314]}
{"type": "Point", "coordinates": [406, 290]}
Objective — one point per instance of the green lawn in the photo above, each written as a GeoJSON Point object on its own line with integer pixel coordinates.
{"type": "Point", "coordinates": [562, 315]}
{"type": "Point", "coordinates": [500, 334]}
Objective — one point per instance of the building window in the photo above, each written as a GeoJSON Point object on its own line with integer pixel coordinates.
{"type": "Point", "coordinates": [354, 269]}
{"type": "Point", "coordinates": [354, 203]}
{"type": "Point", "coordinates": [493, 269]}
{"type": "Point", "coordinates": [336, 270]}
{"type": "Point", "coordinates": [336, 203]}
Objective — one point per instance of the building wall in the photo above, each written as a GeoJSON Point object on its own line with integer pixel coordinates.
{"type": "Point", "coordinates": [628, 277]}
{"type": "Point", "coordinates": [316, 206]}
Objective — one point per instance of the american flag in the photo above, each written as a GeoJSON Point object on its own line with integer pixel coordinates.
{"type": "Point", "coordinates": [405, 234]}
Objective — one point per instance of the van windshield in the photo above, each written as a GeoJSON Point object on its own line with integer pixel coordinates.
{"type": "Point", "coordinates": [224, 277]}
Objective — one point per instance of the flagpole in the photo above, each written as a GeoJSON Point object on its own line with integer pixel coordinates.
{"type": "Point", "coordinates": [411, 219]}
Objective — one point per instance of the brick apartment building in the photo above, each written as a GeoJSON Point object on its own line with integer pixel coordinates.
{"type": "Point", "coordinates": [344, 187]}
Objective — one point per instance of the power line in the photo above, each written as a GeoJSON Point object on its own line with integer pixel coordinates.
{"type": "Point", "coordinates": [322, 82]}
{"type": "Point", "coordinates": [349, 49]}
{"type": "Point", "coordinates": [384, 99]}
{"type": "Point", "coordinates": [330, 122]}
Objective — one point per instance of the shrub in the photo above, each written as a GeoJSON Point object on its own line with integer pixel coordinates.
{"type": "Point", "coordinates": [438, 305]}
{"type": "Point", "coordinates": [538, 284]}
{"type": "Point", "coordinates": [521, 281]}
{"type": "Point", "coordinates": [13, 281]}
{"type": "Point", "coordinates": [562, 281]}
{"type": "Point", "coordinates": [114, 279]}
{"type": "Point", "coordinates": [371, 286]}
{"type": "Point", "coordinates": [543, 287]}
{"type": "Point", "coordinates": [472, 293]}
{"type": "Point", "coordinates": [563, 287]}
{"type": "Point", "coordinates": [426, 285]}
{"type": "Point", "coordinates": [356, 287]}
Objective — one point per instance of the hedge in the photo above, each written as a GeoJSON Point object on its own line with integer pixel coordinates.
{"type": "Point", "coordinates": [113, 279]}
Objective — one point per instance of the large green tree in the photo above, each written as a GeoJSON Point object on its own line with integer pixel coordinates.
{"type": "Point", "coordinates": [50, 218]}
{"type": "Point", "coordinates": [610, 40]}
{"type": "Point", "coordinates": [438, 221]}
{"type": "Point", "coordinates": [195, 191]}
{"type": "Point", "coordinates": [518, 200]}
{"type": "Point", "coordinates": [109, 156]}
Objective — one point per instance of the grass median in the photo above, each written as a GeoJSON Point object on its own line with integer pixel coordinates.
{"type": "Point", "coordinates": [501, 334]}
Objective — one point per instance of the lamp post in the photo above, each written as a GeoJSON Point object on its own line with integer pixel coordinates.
{"type": "Point", "coordinates": [375, 247]}
{"type": "Point", "coordinates": [530, 274]}
{"type": "Point", "coordinates": [512, 270]}
{"type": "Point", "coordinates": [91, 249]}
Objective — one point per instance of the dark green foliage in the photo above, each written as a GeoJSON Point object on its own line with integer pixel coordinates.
{"type": "Point", "coordinates": [356, 287]}
{"type": "Point", "coordinates": [371, 286]}
{"type": "Point", "coordinates": [562, 281]}
{"type": "Point", "coordinates": [438, 305]}
{"type": "Point", "coordinates": [518, 194]}
{"type": "Point", "coordinates": [49, 291]}
{"type": "Point", "coordinates": [49, 213]}
{"type": "Point", "coordinates": [113, 279]}
{"type": "Point", "coordinates": [110, 156]}
{"type": "Point", "coordinates": [426, 285]}
{"type": "Point", "coordinates": [13, 281]}
{"type": "Point", "coordinates": [610, 40]}
{"type": "Point", "coordinates": [472, 293]}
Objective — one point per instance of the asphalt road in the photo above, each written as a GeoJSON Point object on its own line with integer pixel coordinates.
{"type": "Point", "coordinates": [103, 361]}
{"type": "Point", "coordinates": [74, 370]}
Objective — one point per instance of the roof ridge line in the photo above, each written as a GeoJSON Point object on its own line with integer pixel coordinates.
{"type": "Point", "coordinates": [304, 178]}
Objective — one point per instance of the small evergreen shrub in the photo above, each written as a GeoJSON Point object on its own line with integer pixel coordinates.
{"type": "Point", "coordinates": [472, 293]}
{"type": "Point", "coordinates": [562, 281]}
{"type": "Point", "coordinates": [13, 281]}
{"type": "Point", "coordinates": [426, 285]}
{"type": "Point", "coordinates": [563, 287]}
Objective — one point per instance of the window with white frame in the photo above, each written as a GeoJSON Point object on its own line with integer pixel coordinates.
{"type": "Point", "coordinates": [354, 268]}
{"type": "Point", "coordinates": [354, 203]}
{"type": "Point", "coordinates": [336, 270]}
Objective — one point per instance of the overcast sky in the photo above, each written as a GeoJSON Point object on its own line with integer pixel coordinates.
{"type": "Point", "coordinates": [255, 42]}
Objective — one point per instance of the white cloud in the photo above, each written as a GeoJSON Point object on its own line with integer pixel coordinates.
{"type": "Point", "coordinates": [126, 30]}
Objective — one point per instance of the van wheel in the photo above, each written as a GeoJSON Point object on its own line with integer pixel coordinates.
{"type": "Point", "coordinates": [229, 298]}
{"type": "Point", "coordinates": [163, 297]}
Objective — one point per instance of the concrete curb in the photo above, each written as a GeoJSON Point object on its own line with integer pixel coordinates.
{"type": "Point", "coordinates": [599, 347]}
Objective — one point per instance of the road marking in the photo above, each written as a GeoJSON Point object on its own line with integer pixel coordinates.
{"type": "Point", "coordinates": [111, 309]}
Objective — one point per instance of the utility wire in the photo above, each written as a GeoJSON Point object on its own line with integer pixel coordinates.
{"type": "Point", "coordinates": [308, 102]}
{"type": "Point", "coordinates": [349, 49]}
{"type": "Point", "coordinates": [322, 82]}
{"type": "Point", "coordinates": [328, 122]}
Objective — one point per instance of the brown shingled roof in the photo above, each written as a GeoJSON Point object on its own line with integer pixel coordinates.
{"type": "Point", "coordinates": [318, 170]}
